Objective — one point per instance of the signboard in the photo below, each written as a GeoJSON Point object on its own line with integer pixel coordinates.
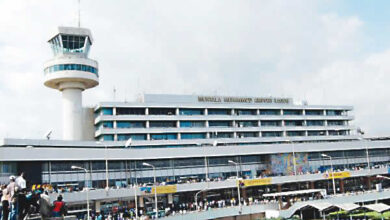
{"type": "Point", "coordinates": [257, 182]}
{"type": "Point", "coordinates": [338, 175]}
{"type": "Point", "coordinates": [165, 189]}
{"type": "Point", "coordinates": [253, 100]}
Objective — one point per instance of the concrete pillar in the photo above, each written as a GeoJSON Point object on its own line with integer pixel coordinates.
{"type": "Point", "coordinates": [72, 111]}
{"type": "Point", "coordinates": [177, 111]}
{"type": "Point", "coordinates": [146, 111]}
{"type": "Point", "coordinates": [170, 199]}
{"type": "Point", "coordinates": [97, 206]}
{"type": "Point", "coordinates": [280, 198]}
{"type": "Point", "coordinates": [141, 201]}
{"type": "Point", "coordinates": [368, 182]}
{"type": "Point", "coordinates": [341, 184]}
{"type": "Point", "coordinates": [312, 185]}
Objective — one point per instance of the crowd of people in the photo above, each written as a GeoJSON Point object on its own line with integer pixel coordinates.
{"type": "Point", "coordinates": [18, 202]}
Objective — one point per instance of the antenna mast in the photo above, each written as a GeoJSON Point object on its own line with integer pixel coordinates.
{"type": "Point", "coordinates": [79, 13]}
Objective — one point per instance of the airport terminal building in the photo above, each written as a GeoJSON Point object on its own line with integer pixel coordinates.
{"type": "Point", "coordinates": [272, 143]}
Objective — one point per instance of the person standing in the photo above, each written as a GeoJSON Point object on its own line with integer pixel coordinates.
{"type": "Point", "coordinates": [21, 196]}
{"type": "Point", "coordinates": [44, 205]}
{"type": "Point", "coordinates": [4, 204]}
{"type": "Point", "coordinates": [12, 198]}
{"type": "Point", "coordinates": [59, 208]}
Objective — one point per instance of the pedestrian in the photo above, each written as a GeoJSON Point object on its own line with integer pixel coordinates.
{"type": "Point", "coordinates": [59, 207]}
{"type": "Point", "coordinates": [21, 196]}
{"type": "Point", "coordinates": [44, 206]}
{"type": "Point", "coordinates": [12, 198]}
{"type": "Point", "coordinates": [4, 204]}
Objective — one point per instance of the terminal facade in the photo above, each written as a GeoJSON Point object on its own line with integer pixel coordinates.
{"type": "Point", "coordinates": [274, 144]}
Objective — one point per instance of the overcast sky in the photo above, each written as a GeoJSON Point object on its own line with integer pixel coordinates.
{"type": "Point", "coordinates": [325, 52]}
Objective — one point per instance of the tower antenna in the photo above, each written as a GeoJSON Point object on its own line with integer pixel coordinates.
{"type": "Point", "coordinates": [79, 13]}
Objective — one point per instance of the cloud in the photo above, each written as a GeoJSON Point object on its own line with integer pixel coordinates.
{"type": "Point", "coordinates": [255, 48]}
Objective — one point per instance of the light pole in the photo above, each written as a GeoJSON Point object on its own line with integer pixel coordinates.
{"type": "Point", "coordinates": [367, 154]}
{"type": "Point", "coordinates": [382, 177]}
{"type": "Point", "coordinates": [331, 167]}
{"type": "Point", "coordinates": [238, 184]}
{"type": "Point", "coordinates": [294, 160]}
{"type": "Point", "coordinates": [87, 189]}
{"type": "Point", "coordinates": [105, 157]}
{"type": "Point", "coordinates": [128, 144]}
{"type": "Point", "coordinates": [155, 185]}
{"type": "Point", "coordinates": [196, 197]}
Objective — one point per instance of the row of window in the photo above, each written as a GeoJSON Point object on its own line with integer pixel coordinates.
{"type": "Point", "coordinates": [174, 136]}
{"type": "Point", "coordinates": [211, 111]}
{"type": "Point", "coordinates": [80, 67]}
{"type": "Point", "coordinates": [196, 162]}
{"type": "Point", "coordinates": [200, 124]}
{"type": "Point", "coordinates": [164, 163]}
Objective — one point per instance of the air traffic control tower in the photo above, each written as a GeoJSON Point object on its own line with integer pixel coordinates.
{"type": "Point", "coordinates": [71, 72]}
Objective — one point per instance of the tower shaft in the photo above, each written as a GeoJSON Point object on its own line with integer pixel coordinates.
{"type": "Point", "coordinates": [71, 72]}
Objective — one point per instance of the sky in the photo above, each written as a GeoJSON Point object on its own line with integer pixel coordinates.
{"type": "Point", "coordinates": [323, 52]}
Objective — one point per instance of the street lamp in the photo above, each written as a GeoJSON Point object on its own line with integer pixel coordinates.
{"type": "Point", "coordinates": [128, 144]}
{"type": "Point", "coordinates": [105, 156]}
{"type": "Point", "coordinates": [87, 189]}
{"type": "Point", "coordinates": [238, 184]}
{"type": "Point", "coordinates": [382, 177]}
{"type": "Point", "coordinates": [155, 185]}
{"type": "Point", "coordinates": [367, 154]}
{"type": "Point", "coordinates": [294, 160]}
{"type": "Point", "coordinates": [331, 167]}
{"type": "Point", "coordinates": [196, 197]}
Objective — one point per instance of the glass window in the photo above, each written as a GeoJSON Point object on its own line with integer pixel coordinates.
{"type": "Point", "coordinates": [220, 123]}
{"type": "Point", "coordinates": [192, 124]}
{"type": "Point", "coordinates": [221, 135]}
{"type": "Point", "coordinates": [250, 159]}
{"type": "Point", "coordinates": [108, 137]}
{"type": "Point", "coordinates": [293, 123]}
{"type": "Point", "coordinates": [316, 133]}
{"type": "Point", "coordinates": [271, 123]}
{"type": "Point", "coordinates": [125, 137]}
{"type": "Point", "coordinates": [292, 112]}
{"type": "Point", "coordinates": [247, 134]}
{"type": "Point", "coordinates": [269, 112]}
{"type": "Point", "coordinates": [191, 111]}
{"type": "Point", "coordinates": [336, 123]}
{"type": "Point", "coordinates": [162, 124]}
{"type": "Point", "coordinates": [107, 111]}
{"type": "Point", "coordinates": [132, 124]}
{"type": "Point", "coordinates": [130, 111]}
{"type": "Point", "coordinates": [334, 112]}
{"type": "Point", "coordinates": [314, 112]}
{"type": "Point", "coordinates": [219, 111]}
{"type": "Point", "coordinates": [247, 123]}
{"type": "Point", "coordinates": [162, 111]}
{"type": "Point", "coordinates": [221, 160]}
{"type": "Point", "coordinates": [107, 124]}
{"type": "Point", "coordinates": [315, 123]}
{"type": "Point", "coordinates": [163, 136]}
{"type": "Point", "coordinates": [271, 134]}
{"type": "Point", "coordinates": [188, 162]}
{"type": "Point", "coordinates": [295, 133]}
{"type": "Point", "coordinates": [245, 112]}
{"type": "Point", "coordinates": [193, 136]}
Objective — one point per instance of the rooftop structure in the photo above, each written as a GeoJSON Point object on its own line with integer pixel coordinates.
{"type": "Point", "coordinates": [71, 72]}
